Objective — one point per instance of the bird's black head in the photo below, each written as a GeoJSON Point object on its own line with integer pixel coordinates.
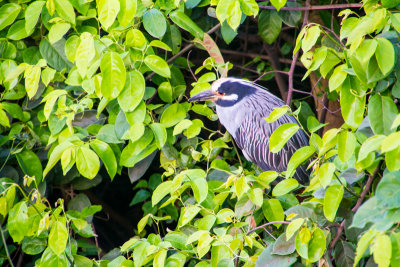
{"type": "Point", "coordinates": [226, 92]}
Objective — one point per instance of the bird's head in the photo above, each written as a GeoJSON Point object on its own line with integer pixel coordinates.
{"type": "Point", "coordinates": [225, 92]}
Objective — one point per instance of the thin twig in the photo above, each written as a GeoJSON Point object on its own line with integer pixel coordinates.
{"type": "Point", "coordinates": [264, 225]}
{"type": "Point", "coordinates": [358, 204]}
{"type": "Point", "coordinates": [296, 56]}
{"type": "Point", "coordinates": [254, 55]}
{"type": "Point", "coordinates": [188, 64]}
{"type": "Point", "coordinates": [5, 246]}
{"type": "Point", "coordinates": [184, 50]}
{"type": "Point", "coordinates": [270, 72]}
{"type": "Point", "coordinates": [307, 8]}
{"type": "Point", "coordinates": [96, 242]}
{"type": "Point", "coordinates": [280, 81]}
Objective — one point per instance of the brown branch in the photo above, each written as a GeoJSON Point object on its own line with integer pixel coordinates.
{"type": "Point", "coordinates": [184, 50]}
{"type": "Point", "coordinates": [280, 81]}
{"type": "Point", "coordinates": [358, 204]}
{"type": "Point", "coordinates": [253, 55]}
{"type": "Point", "coordinates": [307, 8]}
{"type": "Point", "coordinates": [296, 56]}
{"type": "Point", "coordinates": [264, 225]}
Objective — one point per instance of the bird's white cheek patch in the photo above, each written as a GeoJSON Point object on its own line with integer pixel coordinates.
{"type": "Point", "coordinates": [231, 97]}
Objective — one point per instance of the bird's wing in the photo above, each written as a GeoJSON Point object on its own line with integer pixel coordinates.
{"type": "Point", "coordinates": [252, 136]}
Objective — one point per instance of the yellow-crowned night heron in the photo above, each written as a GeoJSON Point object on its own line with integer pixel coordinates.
{"type": "Point", "coordinates": [242, 107]}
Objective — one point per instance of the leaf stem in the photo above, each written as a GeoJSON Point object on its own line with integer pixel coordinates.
{"type": "Point", "coordinates": [5, 247]}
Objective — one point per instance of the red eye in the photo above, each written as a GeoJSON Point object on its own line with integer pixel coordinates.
{"type": "Point", "coordinates": [221, 94]}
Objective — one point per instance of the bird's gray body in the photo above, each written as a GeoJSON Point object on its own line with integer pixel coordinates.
{"type": "Point", "coordinates": [245, 121]}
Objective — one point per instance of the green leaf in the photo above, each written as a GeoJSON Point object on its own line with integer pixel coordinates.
{"type": "Point", "coordinates": [165, 92]}
{"type": "Point", "coordinates": [332, 199]}
{"type": "Point", "coordinates": [56, 155]}
{"type": "Point", "coordinates": [363, 244]}
{"type": "Point", "coordinates": [108, 11]}
{"type": "Point", "coordinates": [194, 129]}
{"type": "Point", "coordinates": [8, 13]}
{"type": "Point", "coordinates": [234, 15]}
{"type": "Point", "coordinates": [158, 65]}
{"type": "Point", "coordinates": [18, 223]}
{"type": "Point", "coordinates": [241, 186]}
{"type": "Point", "coordinates": [17, 31]}
{"type": "Point", "coordinates": [223, 8]}
{"type": "Point", "coordinates": [160, 134]}
{"type": "Point", "coordinates": [127, 12]}
{"type": "Point", "coordinates": [142, 223]}
{"type": "Point", "coordinates": [392, 159]}
{"type": "Point", "coordinates": [200, 188]}
{"type": "Point", "coordinates": [159, 258]}
{"type": "Point", "coordinates": [87, 162]}
{"type": "Point", "coordinates": [293, 227]}
{"type": "Point", "coordinates": [311, 36]}
{"type": "Point", "coordinates": [159, 44]}
{"type": "Point", "coordinates": [372, 144]}
{"type": "Point", "coordinates": [187, 215]}
{"type": "Point", "coordinates": [278, 4]}
{"type": "Point", "coordinates": [249, 7]}
{"type": "Point", "coordinates": [58, 237]}
{"type": "Point", "coordinates": [346, 145]}
{"type": "Point", "coordinates": [57, 31]}
{"type": "Point", "coordinates": [269, 25]}
{"type": "Point", "coordinates": [392, 141]}
{"type": "Point", "coordinates": [30, 164]}
{"type": "Point", "coordinates": [154, 22]}
{"type": "Point", "coordinates": [285, 187]}
{"type": "Point", "coordinates": [106, 154]}
{"type": "Point", "coordinates": [50, 100]}
{"type": "Point", "coordinates": [65, 9]}
{"type": "Point", "coordinates": [385, 55]}
{"type": "Point", "coordinates": [4, 118]}
{"type": "Point", "coordinates": [298, 158]}
{"type": "Point", "coordinates": [160, 192]}
{"type": "Point", "coordinates": [382, 250]}
{"type": "Point", "coordinates": [352, 106]}
{"type": "Point", "coordinates": [325, 173]}
{"type": "Point", "coordinates": [49, 258]}
{"type": "Point", "coordinates": [47, 75]}
{"type": "Point", "coordinates": [182, 125]}
{"type": "Point", "coordinates": [273, 211]}
{"type": "Point", "coordinates": [313, 250]}
{"type": "Point", "coordinates": [281, 135]}
{"type": "Point", "coordinates": [32, 78]}
{"type": "Point", "coordinates": [33, 245]}
{"type": "Point", "coordinates": [135, 38]}
{"type": "Point", "coordinates": [382, 111]}
{"type": "Point", "coordinates": [173, 114]}
{"type": "Point", "coordinates": [277, 113]}
{"type": "Point", "coordinates": [32, 14]}
{"type": "Point", "coordinates": [337, 78]}
{"type": "Point", "coordinates": [186, 23]}
{"type": "Point", "coordinates": [114, 75]}
{"type": "Point", "coordinates": [54, 54]}
{"type": "Point", "coordinates": [84, 54]}
{"type": "Point", "coordinates": [133, 92]}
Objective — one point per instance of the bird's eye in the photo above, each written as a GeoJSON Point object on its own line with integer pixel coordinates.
{"type": "Point", "coordinates": [221, 94]}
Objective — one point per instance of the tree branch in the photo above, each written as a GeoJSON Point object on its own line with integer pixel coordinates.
{"type": "Point", "coordinates": [185, 49]}
{"type": "Point", "coordinates": [307, 8]}
{"type": "Point", "coordinates": [358, 204]}
{"type": "Point", "coordinates": [296, 56]}
{"type": "Point", "coordinates": [264, 225]}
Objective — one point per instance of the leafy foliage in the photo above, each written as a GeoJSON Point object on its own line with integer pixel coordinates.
{"type": "Point", "coordinates": [97, 88]}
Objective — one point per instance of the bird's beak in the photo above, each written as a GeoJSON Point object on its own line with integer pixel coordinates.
{"type": "Point", "coordinates": [203, 96]}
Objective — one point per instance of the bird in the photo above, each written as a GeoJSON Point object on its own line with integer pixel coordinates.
{"type": "Point", "coordinates": [242, 107]}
